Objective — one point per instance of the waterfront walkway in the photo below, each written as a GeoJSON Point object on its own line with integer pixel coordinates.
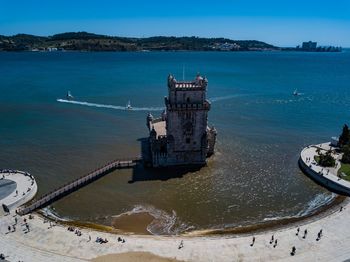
{"type": "Point", "coordinates": [24, 190]}
{"type": "Point", "coordinates": [78, 183]}
{"type": "Point", "coordinates": [326, 176]}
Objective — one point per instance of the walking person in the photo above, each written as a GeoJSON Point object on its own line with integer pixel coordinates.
{"type": "Point", "coordinates": [275, 245]}
{"type": "Point", "coordinates": [252, 244]}
{"type": "Point", "coordinates": [298, 229]}
{"type": "Point", "coordinates": [271, 241]}
{"type": "Point", "coordinates": [305, 233]}
{"type": "Point", "coordinates": [319, 235]}
{"type": "Point", "coordinates": [293, 251]}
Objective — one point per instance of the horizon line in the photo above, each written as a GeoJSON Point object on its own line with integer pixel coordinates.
{"type": "Point", "coordinates": [143, 37]}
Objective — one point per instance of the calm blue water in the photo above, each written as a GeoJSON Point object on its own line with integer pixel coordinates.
{"type": "Point", "coordinates": [262, 128]}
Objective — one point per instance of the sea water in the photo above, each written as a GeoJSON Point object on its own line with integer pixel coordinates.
{"type": "Point", "coordinates": [262, 127]}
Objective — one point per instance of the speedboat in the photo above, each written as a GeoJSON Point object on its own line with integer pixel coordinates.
{"type": "Point", "coordinates": [128, 106]}
{"type": "Point", "coordinates": [295, 93]}
{"type": "Point", "coordinates": [69, 96]}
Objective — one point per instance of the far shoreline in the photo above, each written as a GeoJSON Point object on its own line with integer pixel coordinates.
{"type": "Point", "coordinates": [177, 51]}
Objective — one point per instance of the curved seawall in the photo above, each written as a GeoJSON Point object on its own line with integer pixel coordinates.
{"type": "Point", "coordinates": [326, 179]}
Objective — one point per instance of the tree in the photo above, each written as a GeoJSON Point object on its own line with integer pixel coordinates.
{"type": "Point", "coordinates": [346, 155]}
{"type": "Point", "coordinates": [326, 160]}
{"type": "Point", "coordinates": [344, 138]}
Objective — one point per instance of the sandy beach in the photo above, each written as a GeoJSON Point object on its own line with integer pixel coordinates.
{"type": "Point", "coordinates": [57, 243]}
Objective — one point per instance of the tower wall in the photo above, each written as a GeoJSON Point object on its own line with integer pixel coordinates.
{"type": "Point", "coordinates": [187, 114]}
{"type": "Point", "coordinates": [184, 137]}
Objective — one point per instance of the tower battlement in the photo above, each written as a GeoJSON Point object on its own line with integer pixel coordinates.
{"type": "Point", "coordinates": [199, 83]}
{"type": "Point", "coordinates": [182, 136]}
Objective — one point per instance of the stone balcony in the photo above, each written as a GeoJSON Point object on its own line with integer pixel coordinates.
{"type": "Point", "coordinates": [188, 106]}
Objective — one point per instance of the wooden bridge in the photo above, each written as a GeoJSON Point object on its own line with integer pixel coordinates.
{"type": "Point", "coordinates": [77, 184]}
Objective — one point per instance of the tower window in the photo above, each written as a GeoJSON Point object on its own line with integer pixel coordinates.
{"type": "Point", "coordinates": [188, 140]}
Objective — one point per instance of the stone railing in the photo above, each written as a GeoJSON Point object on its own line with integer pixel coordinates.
{"type": "Point", "coordinates": [193, 106]}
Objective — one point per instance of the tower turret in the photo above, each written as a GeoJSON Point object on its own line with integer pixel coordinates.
{"type": "Point", "coordinates": [149, 119]}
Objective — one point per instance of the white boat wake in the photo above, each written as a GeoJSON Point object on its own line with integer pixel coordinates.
{"type": "Point", "coordinates": [82, 103]}
{"type": "Point", "coordinates": [110, 106]}
{"type": "Point", "coordinates": [220, 98]}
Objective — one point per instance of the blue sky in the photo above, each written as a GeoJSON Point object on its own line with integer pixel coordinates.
{"type": "Point", "coordinates": [284, 23]}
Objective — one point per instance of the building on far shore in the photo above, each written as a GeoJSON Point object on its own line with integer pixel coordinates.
{"type": "Point", "coordinates": [313, 47]}
{"type": "Point", "coordinates": [181, 136]}
{"type": "Point", "coordinates": [309, 46]}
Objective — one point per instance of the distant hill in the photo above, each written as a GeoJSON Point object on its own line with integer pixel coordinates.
{"type": "Point", "coordinates": [83, 41]}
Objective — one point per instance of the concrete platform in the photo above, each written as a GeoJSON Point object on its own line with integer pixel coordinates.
{"type": "Point", "coordinates": [26, 188]}
{"type": "Point", "coordinates": [325, 176]}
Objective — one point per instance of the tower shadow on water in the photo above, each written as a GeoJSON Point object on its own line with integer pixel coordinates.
{"type": "Point", "coordinates": [145, 172]}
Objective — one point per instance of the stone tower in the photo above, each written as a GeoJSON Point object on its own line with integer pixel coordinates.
{"type": "Point", "coordinates": [182, 136]}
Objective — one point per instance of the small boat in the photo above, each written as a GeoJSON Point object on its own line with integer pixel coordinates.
{"type": "Point", "coordinates": [295, 93]}
{"type": "Point", "coordinates": [69, 96]}
{"type": "Point", "coordinates": [128, 106]}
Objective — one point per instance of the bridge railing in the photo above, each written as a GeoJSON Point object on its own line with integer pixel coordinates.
{"type": "Point", "coordinates": [76, 183]}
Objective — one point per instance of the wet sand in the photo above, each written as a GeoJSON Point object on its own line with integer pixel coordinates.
{"type": "Point", "coordinates": [133, 223]}
{"type": "Point", "coordinates": [133, 257]}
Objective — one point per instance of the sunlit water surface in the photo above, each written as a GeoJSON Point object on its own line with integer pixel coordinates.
{"type": "Point", "coordinates": [253, 177]}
